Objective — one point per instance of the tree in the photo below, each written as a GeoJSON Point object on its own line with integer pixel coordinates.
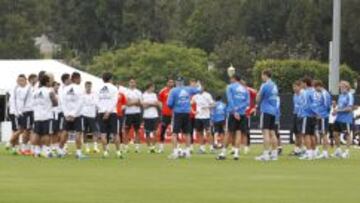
{"type": "Point", "coordinates": [19, 26]}
{"type": "Point", "coordinates": [151, 61]}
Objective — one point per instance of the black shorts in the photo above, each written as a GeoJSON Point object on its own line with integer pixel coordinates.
{"type": "Point", "coordinates": [295, 126]}
{"type": "Point", "coordinates": [342, 127]}
{"type": "Point", "coordinates": [322, 125]}
{"type": "Point", "coordinates": [110, 125]}
{"type": "Point", "coordinates": [133, 120]}
{"type": "Point", "coordinates": [26, 121]}
{"type": "Point", "coordinates": [202, 124]}
{"type": "Point", "coordinates": [42, 128]}
{"type": "Point", "coordinates": [55, 126]}
{"type": "Point", "coordinates": [61, 122]}
{"type": "Point", "coordinates": [277, 130]}
{"type": "Point", "coordinates": [219, 127]}
{"type": "Point", "coordinates": [89, 125]}
{"type": "Point", "coordinates": [150, 125]}
{"type": "Point", "coordinates": [75, 125]}
{"type": "Point", "coordinates": [267, 121]}
{"type": "Point", "coordinates": [14, 122]}
{"type": "Point", "coordinates": [181, 123]}
{"type": "Point", "coordinates": [308, 125]}
{"type": "Point", "coordinates": [235, 125]}
{"type": "Point", "coordinates": [165, 120]}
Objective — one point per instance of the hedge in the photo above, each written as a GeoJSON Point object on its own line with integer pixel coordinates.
{"type": "Point", "coordinates": [285, 72]}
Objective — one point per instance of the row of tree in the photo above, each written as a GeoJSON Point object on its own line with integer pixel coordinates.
{"type": "Point", "coordinates": [232, 31]}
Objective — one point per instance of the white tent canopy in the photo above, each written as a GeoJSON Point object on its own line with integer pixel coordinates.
{"type": "Point", "coordinates": [10, 69]}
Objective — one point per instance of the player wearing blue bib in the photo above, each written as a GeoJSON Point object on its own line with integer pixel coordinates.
{"type": "Point", "coordinates": [179, 102]}
{"type": "Point", "coordinates": [238, 101]}
{"type": "Point", "coordinates": [308, 115]}
{"type": "Point", "coordinates": [344, 118]}
{"type": "Point", "coordinates": [218, 117]}
{"type": "Point", "coordinates": [267, 99]}
{"type": "Point", "coordinates": [297, 102]}
{"type": "Point", "coordinates": [277, 125]}
{"type": "Point", "coordinates": [321, 106]}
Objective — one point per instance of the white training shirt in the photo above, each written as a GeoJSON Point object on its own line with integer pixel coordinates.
{"type": "Point", "coordinates": [203, 102]}
{"type": "Point", "coordinates": [356, 114]}
{"type": "Point", "coordinates": [56, 109]}
{"type": "Point", "coordinates": [42, 104]}
{"type": "Point", "coordinates": [72, 100]}
{"type": "Point", "coordinates": [12, 101]}
{"type": "Point", "coordinates": [28, 103]}
{"type": "Point", "coordinates": [122, 89]}
{"type": "Point", "coordinates": [90, 104]}
{"type": "Point", "coordinates": [133, 95]}
{"type": "Point", "coordinates": [60, 93]}
{"type": "Point", "coordinates": [21, 95]}
{"type": "Point", "coordinates": [107, 98]}
{"type": "Point", "coordinates": [150, 112]}
{"type": "Point", "coordinates": [332, 118]}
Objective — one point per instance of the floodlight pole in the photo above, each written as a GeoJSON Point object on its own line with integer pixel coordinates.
{"type": "Point", "coordinates": [334, 69]}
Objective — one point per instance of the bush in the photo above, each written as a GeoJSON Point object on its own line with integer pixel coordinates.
{"type": "Point", "coordinates": [285, 72]}
{"type": "Point", "coordinates": [147, 61]}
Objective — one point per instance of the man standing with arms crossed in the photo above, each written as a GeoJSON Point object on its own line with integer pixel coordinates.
{"type": "Point", "coordinates": [166, 113]}
{"type": "Point", "coordinates": [344, 119]}
{"type": "Point", "coordinates": [267, 100]}
{"type": "Point", "coordinates": [133, 113]}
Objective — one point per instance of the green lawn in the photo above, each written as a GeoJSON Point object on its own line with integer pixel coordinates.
{"type": "Point", "coordinates": [153, 178]}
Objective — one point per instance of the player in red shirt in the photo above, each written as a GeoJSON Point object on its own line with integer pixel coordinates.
{"type": "Point", "coordinates": [166, 113]}
{"type": "Point", "coordinates": [249, 113]}
{"type": "Point", "coordinates": [121, 103]}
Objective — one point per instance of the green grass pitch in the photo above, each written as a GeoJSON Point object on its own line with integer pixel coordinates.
{"type": "Point", "coordinates": [153, 178]}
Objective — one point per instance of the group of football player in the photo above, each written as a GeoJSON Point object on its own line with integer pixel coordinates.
{"type": "Point", "coordinates": [44, 112]}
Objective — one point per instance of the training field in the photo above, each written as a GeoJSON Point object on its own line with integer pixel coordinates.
{"type": "Point", "coordinates": [153, 178]}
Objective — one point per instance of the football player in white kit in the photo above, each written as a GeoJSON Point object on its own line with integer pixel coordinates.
{"type": "Point", "coordinates": [204, 102]}
{"type": "Point", "coordinates": [88, 116]}
{"type": "Point", "coordinates": [18, 100]}
{"type": "Point", "coordinates": [71, 104]}
{"type": "Point", "coordinates": [44, 100]}
{"type": "Point", "coordinates": [151, 107]}
{"type": "Point", "coordinates": [107, 117]}
{"type": "Point", "coordinates": [133, 113]}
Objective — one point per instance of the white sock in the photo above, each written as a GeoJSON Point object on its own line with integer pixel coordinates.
{"type": "Point", "coordinates": [187, 151]}
{"type": "Point", "coordinates": [266, 153]}
{"type": "Point", "coordinates": [60, 151]}
{"type": "Point", "coordinates": [95, 145]}
{"type": "Point", "coordinates": [325, 153]}
{"type": "Point", "coordinates": [137, 146]}
{"type": "Point", "coordinates": [176, 151]}
{"type": "Point", "coordinates": [274, 153]}
{"type": "Point", "coordinates": [78, 152]}
{"type": "Point", "coordinates": [37, 150]}
{"type": "Point", "coordinates": [161, 146]}
{"type": "Point", "coordinates": [202, 148]}
{"type": "Point", "coordinates": [236, 151]}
